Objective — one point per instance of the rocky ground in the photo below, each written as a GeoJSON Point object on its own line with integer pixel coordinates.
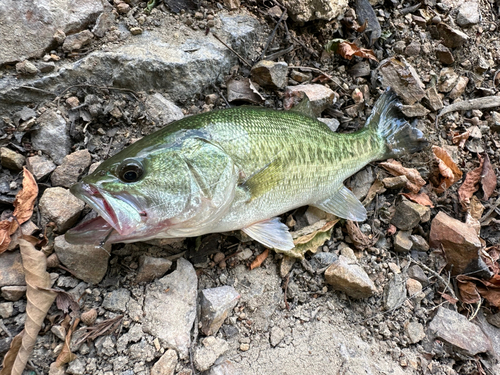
{"type": "Point", "coordinates": [413, 290]}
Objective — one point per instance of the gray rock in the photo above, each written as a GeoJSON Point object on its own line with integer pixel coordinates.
{"type": "Point", "coordinates": [450, 37]}
{"type": "Point", "coordinates": [166, 364]}
{"type": "Point", "coordinates": [151, 268]}
{"type": "Point", "coordinates": [52, 137]}
{"type": "Point", "coordinates": [270, 74]}
{"type": "Point", "coordinates": [40, 166]}
{"type": "Point", "coordinates": [224, 368]}
{"type": "Point", "coordinates": [468, 14]}
{"type": "Point", "coordinates": [116, 300]}
{"type": "Point", "coordinates": [402, 78]}
{"type": "Point", "coordinates": [413, 49]}
{"type": "Point", "coordinates": [134, 334]}
{"type": "Point", "coordinates": [414, 110]}
{"type": "Point", "coordinates": [216, 304]}
{"type": "Point", "coordinates": [26, 68]}
{"type": "Point", "coordinates": [71, 168]}
{"type": "Point", "coordinates": [103, 24]}
{"type": "Point", "coordinates": [362, 181]}
{"type": "Point", "coordinates": [433, 100]}
{"type": "Point", "coordinates": [13, 293]}
{"type": "Point", "coordinates": [45, 67]}
{"type": "Point", "coordinates": [106, 346]}
{"type": "Point", "coordinates": [459, 88]}
{"type": "Point", "coordinates": [419, 243]}
{"type": "Point", "coordinates": [494, 319]}
{"type": "Point", "coordinates": [320, 96]}
{"type": "Point", "coordinates": [170, 307]}
{"type": "Point", "coordinates": [299, 76]}
{"type": "Point", "coordinates": [59, 332]}
{"type": "Point", "coordinates": [348, 277]}
{"type": "Point", "coordinates": [76, 367]}
{"type": "Point", "coordinates": [321, 260]}
{"type": "Point", "coordinates": [397, 182]}
{"type": "Point", "coordinates": [29, 29]}
{"type": "Point", "coordinates": [394, 292]}
{"type": "Point", "coordinates": [162, 110]}
{"type": "Point", "coordinates": [87, 262]}
{"type": "Point", "coordinates": [456, 330]}
{"type": "Point", "coordinates": [417, 273]}
{"type": "Point", "coordinates": [11, 159]}
{"type": "Point", "coordinates": [332, 123]}
{"type": "Point", "coordinates": [308, 10]}
{"type": "Point", "coordinates": [66, 282]}
{"type": "Point", "coordinates": [444, 54]}
{"type": "Point", "coordinates": [447, 79]}
{"type": "Point", "coordinates": [276, 335]}
{"type": "Point", "coordinates": [142, 351]}
{"type": "Point", "coordinates": [402, 241]}
{"type": "Point", "coordinates": [11, 269]}
{"type": "Point", "coordinates": [409, 214]}
{"type": "Point", "coordinates": [77, 41]}
{"type": "Point", "coordinates": [6, 309]}
{"type": "Point", "coordinates": [205, 356]}
{"type": "Point", "coordinates": [61, 207]}
{"type": "Point", "coordinates": [415, 332]}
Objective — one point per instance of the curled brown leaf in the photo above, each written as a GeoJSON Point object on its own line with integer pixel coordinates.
{"type": "Point", "coordinates": [488, 178]}
{"type": "Point", "coordinates": [39, 301]}
{"type": "Point", "coordinates": [449, 171]}
{"type": "Point", "coordinates": [23, 209]}
{"type": "Point", "coordinates": [10, 357]}
{"type": "Point", "coordinates": [420, 198]}
{"type": "Point", "coordinates": [415, 181]}
{"type": "Point", "coordinates": [259, 259]}
{"type": "Point", "coordinates": [470, 184]}
{"type": "Point", "coordinates": [347, 49]}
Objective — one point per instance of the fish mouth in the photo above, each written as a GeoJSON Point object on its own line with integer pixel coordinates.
{"type": "Point", "coordinates": [119, 212]}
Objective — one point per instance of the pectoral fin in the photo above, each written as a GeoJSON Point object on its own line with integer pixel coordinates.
{"type": "Point", "coordinates": [343, 204]}
{"type": "Point", "coordinates": [271, 233]}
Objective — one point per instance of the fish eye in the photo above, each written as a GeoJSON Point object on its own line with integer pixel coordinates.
{"type": "Point", "coordinates": [130, 171]}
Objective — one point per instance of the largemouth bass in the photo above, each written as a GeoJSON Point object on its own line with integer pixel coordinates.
{"type": "Point", "coordinates": [236, 168]}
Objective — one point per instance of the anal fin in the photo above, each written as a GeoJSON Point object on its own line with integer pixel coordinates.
{"type": "Point", "coordinates": [343, 204]}
{"type": "Point", "coordinates": [271, 233]}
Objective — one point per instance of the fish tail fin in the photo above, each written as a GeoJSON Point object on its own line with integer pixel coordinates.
{"type": "Point", "coordinates": [387, 121]}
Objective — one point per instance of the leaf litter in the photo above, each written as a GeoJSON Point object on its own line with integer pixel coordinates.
{"type": "Point", "coordinates": [23, 209]}
{"type": "Point", "coordinates": [483, 175]}
{"type": "Point", "coordinates": [415, 180]}
{"type": "Point", "coordinates": [449, 173]}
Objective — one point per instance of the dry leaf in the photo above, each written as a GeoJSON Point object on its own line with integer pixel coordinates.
{"type": "Point", "coordinates": [449, 298]}
{"type": "Point", "coordinates": [415, 181]}
{"type": "Point", "coordinates": [39, 301]}
{"type": "Point", "coordinates": [23, 209]}
{"type": "Point", "coordinates": [376, 188]}
{"type": "Point", "coordinates": [459, 139]}
{"type": "Point", "coordinates": [66, 302]}
{"type": "Point", "coordinates": [468, 290]}
{"type": "Point", "coordinates": [311, 237]}
{"type": "Point", "coordinates": [259, 259]}
{"type": "Point", "coordinates": [10, 357]}
{"type": "Point", "coordinates": [420, 198]}
{"type": "Point", "coordinates": [347, 49]}
{"type": "Point", "coordinates": [243, 90]}
{"type": "Point", "coordinates": [449, 171]}
{"type": "Point", "coordinates": [488, 178]}
{"type": "Point", "coordinates": [490, 290]}
{"type": "Point", "coordinates": [66, 356]}
{"type": "Point", "coordinates": [360, 240]}
{"type": "Point", "coordinates": [470, 184]}
{"type": "Point", "coordinates": [106, 327]}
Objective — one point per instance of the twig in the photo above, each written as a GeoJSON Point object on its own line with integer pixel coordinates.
{"type": "Point", "coordinates": [490, 211]}
{"type": "Point", "coordinates": [275, 55]}
{"type": "Point", "coordinates": [446, 283]}
{"type": "Point", "coordinates": [477, 310]}
{"type": "Point", "coordinates": [317, 71]}
{"type": "Point", "coordinates": [467, 105]}
{"type": "Point", "coordinates": [233, 51]}
{"type": "Point", "coordinates": [271, 37]}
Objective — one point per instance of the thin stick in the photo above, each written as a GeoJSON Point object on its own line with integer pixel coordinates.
{"type": "Point", "coordinates": [271, 37]}
{"type": "Point", "coordinates": [446, 283]}
{"type": "Point", "coordinates": [233, 51]}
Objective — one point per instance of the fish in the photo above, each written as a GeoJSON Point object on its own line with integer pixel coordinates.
{"type": "Point", "coordinates": [236, 169]}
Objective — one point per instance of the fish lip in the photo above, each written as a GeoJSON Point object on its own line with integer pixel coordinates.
{"type": "Point", "coordinates": [101, 202]}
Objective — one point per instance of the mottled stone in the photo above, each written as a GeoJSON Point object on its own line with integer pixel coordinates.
{"type": "Point", "coordinates": [320, 96]}
{"type": "Point", "coordinates": [151, 268]}
{"type": "Point", "coordinates": [456, 330]}
{"type": "Point", "coordinates": [433, 100]}
{"type": "Point", "coordinates": [308, 10]}
{"type": "Point", "coordinates": [162, 110]}
{"type": "Point", "coordinates": [468, 14]}
{"type": "Point", "coordinates": [61, 207]}
{"type": "Point", "coordinates": [11, 269]}
{"type": "Point", "coordinates": [87, 262]}
{"type": "Point", "coordinates": [40, 166]}
{"type": "Point", "coordinates": [276, 335]}
{"type": "Point", "coordinates": [459, 88]}
{"type": "Point", "coordinates": [409, 214]}
{"type": "Point", "coordinates": [166, 364]}
{"type": "Point", "coordinates": [394, 292]}
{"type": "Point", "coordinates": [77, 41]}
{"type": "Point", "coordinates": [402, 241]}
{"type": "Point", "coordinates": [170, 307]}
{"type": "Point", "coordinates": [415, 332]}
{"type": "Point", "coordinates": [450, 37]}
{"type": "Point", "coordinates": [348, 277]}
{"type": "Point", "coordinates": [270, 74]}
{"type": "Point", "coordinates": [205, 356]}
{"type": "Point", "coordinates": [116, 300]}
{"type": "Point", "coordinates": [216, 304]}
{"type": "Point", "coordinates": [397, 182]}
{"type": "Point", "coordinates": [71, 168]}
{"type": "Point", "coordinates": [11, 159]}
{"type": "Point", "coordinates": [444, 55]}
{"type": "Point", "coordinates": [52, 136]}
{"type": "Point", "coordinates": [458, 240]}
{"type": "Point", "coordinates": [26, 67]}
{"type": "Point", "coordinates": [13, 293]}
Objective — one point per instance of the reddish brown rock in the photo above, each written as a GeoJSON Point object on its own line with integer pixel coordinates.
{"type": "Point", "coordinates": [348, 277]}
{"type": "Point", "coordinates": [458, 240]}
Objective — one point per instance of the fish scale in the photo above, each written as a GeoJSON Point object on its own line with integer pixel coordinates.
{"type": "Point", "coordinates": [237, 168]}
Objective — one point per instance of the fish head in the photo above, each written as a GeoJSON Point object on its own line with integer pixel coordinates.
{"type": "Point", "coordinates": [136, 197]}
